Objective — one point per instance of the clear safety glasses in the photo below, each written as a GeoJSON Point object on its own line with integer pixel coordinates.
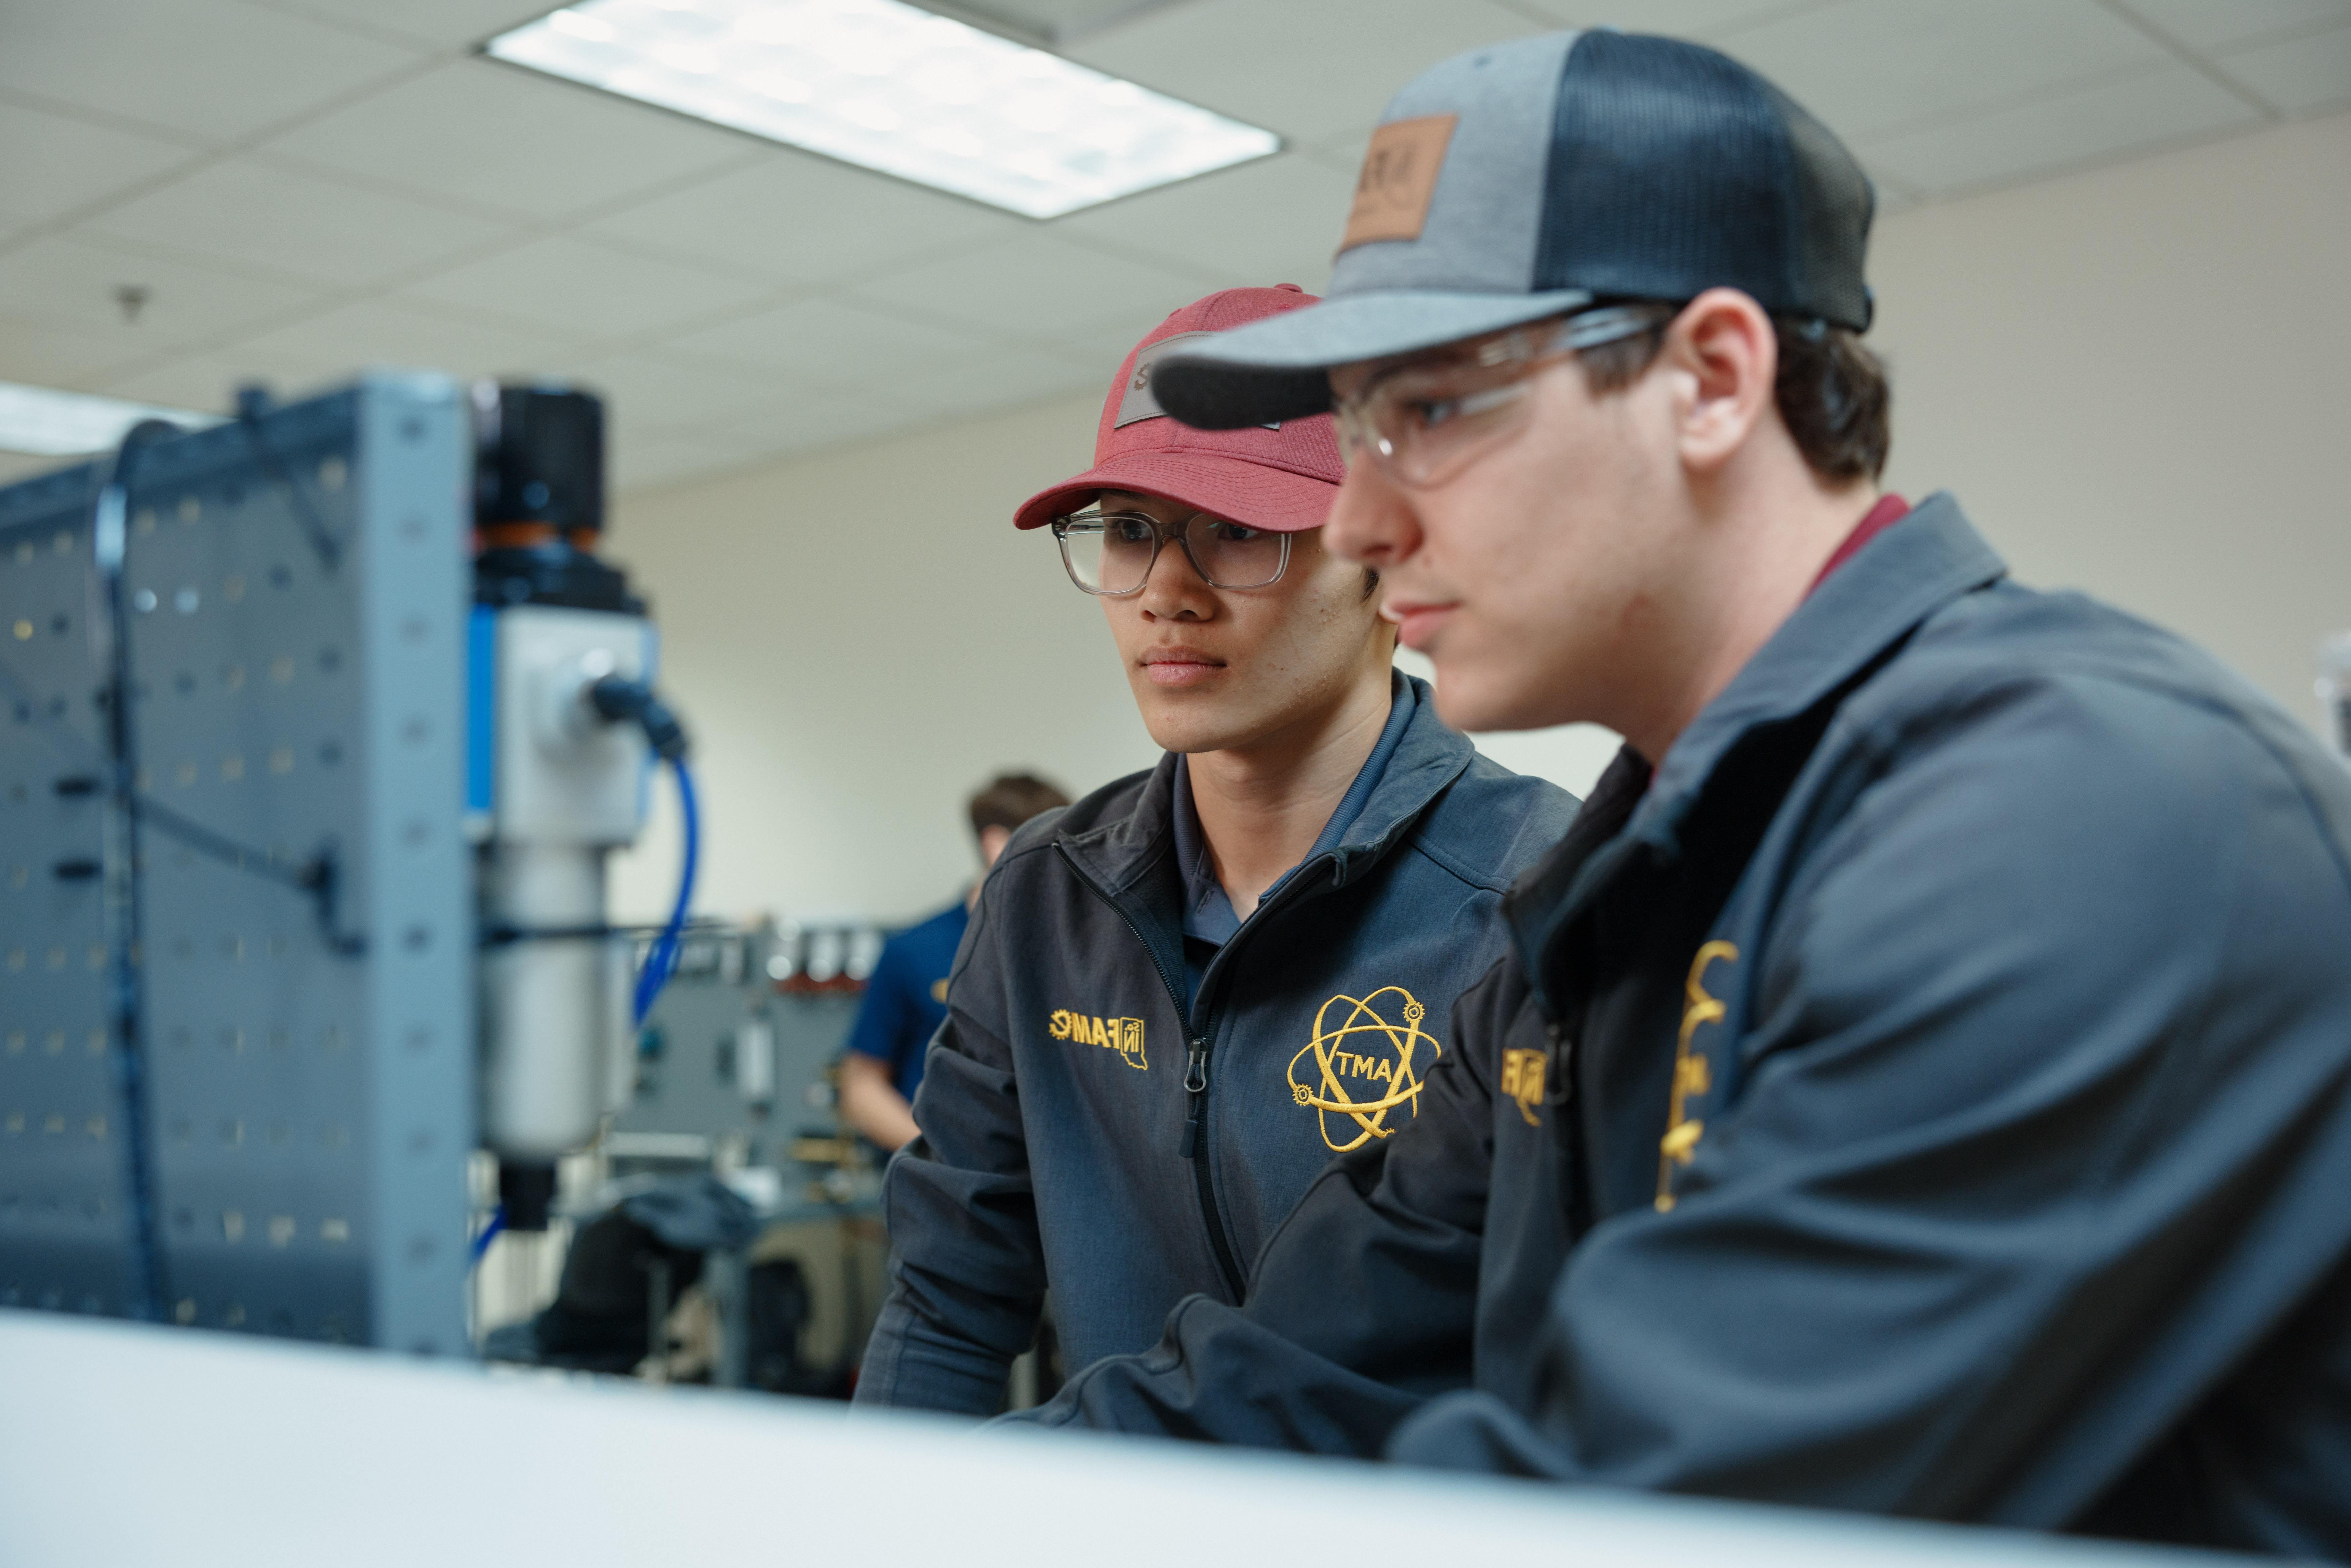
{"type": "Point", "coordinates": [1111, 553]}
{"type": "Point", "coordinates": [1424, 420]}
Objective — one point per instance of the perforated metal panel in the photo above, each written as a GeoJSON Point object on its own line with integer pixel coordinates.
{"type": "Point", "coordinates": [310, 1109]}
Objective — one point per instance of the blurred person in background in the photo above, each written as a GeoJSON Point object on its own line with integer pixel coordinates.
{"type": "Point", "coordinates": [1181, 995]}
{"type": "Point", "coordinates": [906, 995]}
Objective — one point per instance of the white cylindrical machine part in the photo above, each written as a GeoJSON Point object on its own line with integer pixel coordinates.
{"type": "Point", "coordinates": [755, 1061]}
{"type": "Point", "coordinates": [546, 1038]}
{"type": "Point", "coordinates": [620, 1023]}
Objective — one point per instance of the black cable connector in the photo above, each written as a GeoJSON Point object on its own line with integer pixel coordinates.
{"type": "Point", "coordinates": [618, 700]}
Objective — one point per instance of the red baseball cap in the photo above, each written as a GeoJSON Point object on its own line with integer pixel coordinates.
{"type": "Point", "coordinates": [1279, 477]}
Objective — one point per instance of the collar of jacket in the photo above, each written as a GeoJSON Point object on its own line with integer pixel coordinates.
{"type": "Point", "coordinates": [1120, 853]}
{"type": "Point", "coordinates": [1867, 607]}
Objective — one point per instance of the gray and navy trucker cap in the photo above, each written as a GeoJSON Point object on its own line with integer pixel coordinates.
{"type": "Point", "coordinates": [1531, 178]}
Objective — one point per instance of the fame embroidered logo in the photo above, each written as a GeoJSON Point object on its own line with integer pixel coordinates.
{"type": "Point", "coordinates": [1522, 1080]}
{"type": "Point", "coordinates": [1365, 1065]}
{"type": "Point", "coordinates": [1123, 1036]}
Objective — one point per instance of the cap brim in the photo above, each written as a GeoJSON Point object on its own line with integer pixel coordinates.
{"type": "Point", "coordinates": [1278, 368]}
{"type": "Point", "coordinates": [1278, 499]}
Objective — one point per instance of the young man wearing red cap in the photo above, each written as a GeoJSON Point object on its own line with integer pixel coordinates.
{"type": "Point", "coordinates": [1921, 1082]}
{"type": "Point", "coordinates": [1179, 997]}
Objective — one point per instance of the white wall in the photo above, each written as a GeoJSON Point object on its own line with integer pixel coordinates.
{"type": "Point", "coordinates": [2129, 376]}
{"type": "Point", "coordinates": [2134, 380]}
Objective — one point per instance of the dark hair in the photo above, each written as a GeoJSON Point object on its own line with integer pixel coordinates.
{"type": "Point", "coordinates": [1830, 390]}
{"type": "Point", "coordinates": [1011, 798]}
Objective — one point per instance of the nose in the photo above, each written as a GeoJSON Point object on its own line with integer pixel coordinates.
{"type": "Point", "coordinates": [1372, 522]}
{"type": "Point", "coordinates": [1173, 591]}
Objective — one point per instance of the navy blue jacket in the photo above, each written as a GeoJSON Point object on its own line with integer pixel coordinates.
{"type": "Point", "coordinates": [1081, 1131]}
{"type": "Point", "coordinates": [1930, 1093]}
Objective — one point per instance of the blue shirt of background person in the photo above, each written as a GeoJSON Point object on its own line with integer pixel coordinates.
{"type": "Point", "coordinates": [906, 995]}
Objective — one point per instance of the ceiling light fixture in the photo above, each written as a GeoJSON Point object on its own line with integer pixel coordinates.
{"type": "Point", "coordinates": [43, 421]}
{"type": "Point", "coordinates": [893, 87]}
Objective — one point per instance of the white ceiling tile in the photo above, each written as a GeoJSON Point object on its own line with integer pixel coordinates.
{"type": "Point", "coordinates": [54, 164]}
{"type": "Point", "coordinates": [381, 332]}
{"type": "Point", "coordinates": [72, 281]}
{"type": "Point", "coordinates": [50, 355]}
{"type": "Point", "coordinates": [2301, 76]}
{"type": "Point", "coordinates": [208, 381]}
{"type": "Point", "coordinates": [828, 340]}
{"type": "Point", "coordinates": [441, 24]}
{"type": "Point", "coordinates": [212, 69]}
{"type": "Point", "coordinates": [2049, 133]}
{"type": "Point", "coordinates": [1675, 19]}
{"type": "Point", "coordinates": [1305, 67]}
{"type": "Point", "coordinates": [508, 139]}
{"type": "Point", "coordinates": [1341, 152]}
{"type": "Point", "coordinates": [1273, 221]}
{"type": "Point", "coordinates": [592, 291]}
{"type": "Point", "coordinates": [777, 431]}
{"type": "Point", "coordinates": [813, 422]}
{"type": "Point", "coordinates": [1875, 66]}
{"type": "Point", "coordinates": [1894, 192]}
{"type": "Point", "coordinates": [641, 465]}
{"type": "Point", "coordinates": [1001, 378]}
{"type": "Point", "coordinates": [657, 395]}
{"type": "Point", "coordinates": [1037, 284]}
{"type": "Point", "coordinates": [1102, 351]}
{"type": "Point", "coordinates": [292, 223]}
{"type": "Point", "coordinates": [804, 220]}
{"type": "Point", "coordinates": [2215, 23]}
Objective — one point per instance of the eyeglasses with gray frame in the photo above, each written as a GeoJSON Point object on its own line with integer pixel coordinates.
{"type": "Point", "coordinates": [1111, 554]}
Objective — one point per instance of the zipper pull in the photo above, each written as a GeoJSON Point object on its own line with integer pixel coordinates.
{"type": "Point", "coordinates": [1196, 1084]}
{"type": "Point", "coordinates": [1555, 1070]}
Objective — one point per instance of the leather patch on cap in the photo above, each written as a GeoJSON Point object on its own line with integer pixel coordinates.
{"type": "Point", "coordinates": [1138, 401]}
{"type": "Point", "coordinates": [1399, 177]}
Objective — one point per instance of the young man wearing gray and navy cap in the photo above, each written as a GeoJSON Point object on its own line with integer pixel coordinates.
{"type": "Point", "coordinates": [1178, 996]}
{"type": "Point", "coordinates": [1922, 1079]}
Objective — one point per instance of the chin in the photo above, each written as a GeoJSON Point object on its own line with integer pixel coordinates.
{"type": "Point", "coordinates": [1176, 726]}
{"type": "Point", "coordinates": [1475, 705]}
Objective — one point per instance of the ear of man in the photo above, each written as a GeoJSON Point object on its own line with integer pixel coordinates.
{"type": "Point", "coordinates": [1829, 390]}
{"type": "Point", "coordinates": [1721, 358]}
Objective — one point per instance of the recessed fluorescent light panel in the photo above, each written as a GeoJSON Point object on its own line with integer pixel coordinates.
{"type": "Point", "coordinates": [893, 87]}
{"type": "Point", "coordinates": [47, 422]}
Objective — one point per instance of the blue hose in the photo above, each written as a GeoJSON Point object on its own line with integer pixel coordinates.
{"type": "Point", "coordinates": [490, 1234]}
{"type": "Point", "coordinates": [662, 959]}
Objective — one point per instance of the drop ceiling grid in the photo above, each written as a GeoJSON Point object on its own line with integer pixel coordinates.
{"type": "Point", "coordinates": [305, 185]}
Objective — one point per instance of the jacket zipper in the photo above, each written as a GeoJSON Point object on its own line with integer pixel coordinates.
{"type": "Point", "coordinates": [1195, 1083]}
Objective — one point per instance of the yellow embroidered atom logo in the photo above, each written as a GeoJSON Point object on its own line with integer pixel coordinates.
{"type": "Point", "coordinates": [1400, 1075]}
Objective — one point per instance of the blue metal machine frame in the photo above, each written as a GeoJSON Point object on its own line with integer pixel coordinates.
{"type": "Point", "coordinates": [310, 1092]}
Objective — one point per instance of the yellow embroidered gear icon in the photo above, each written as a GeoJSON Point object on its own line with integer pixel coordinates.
{"type": "Point", "coordinates": [1334, 1053]}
